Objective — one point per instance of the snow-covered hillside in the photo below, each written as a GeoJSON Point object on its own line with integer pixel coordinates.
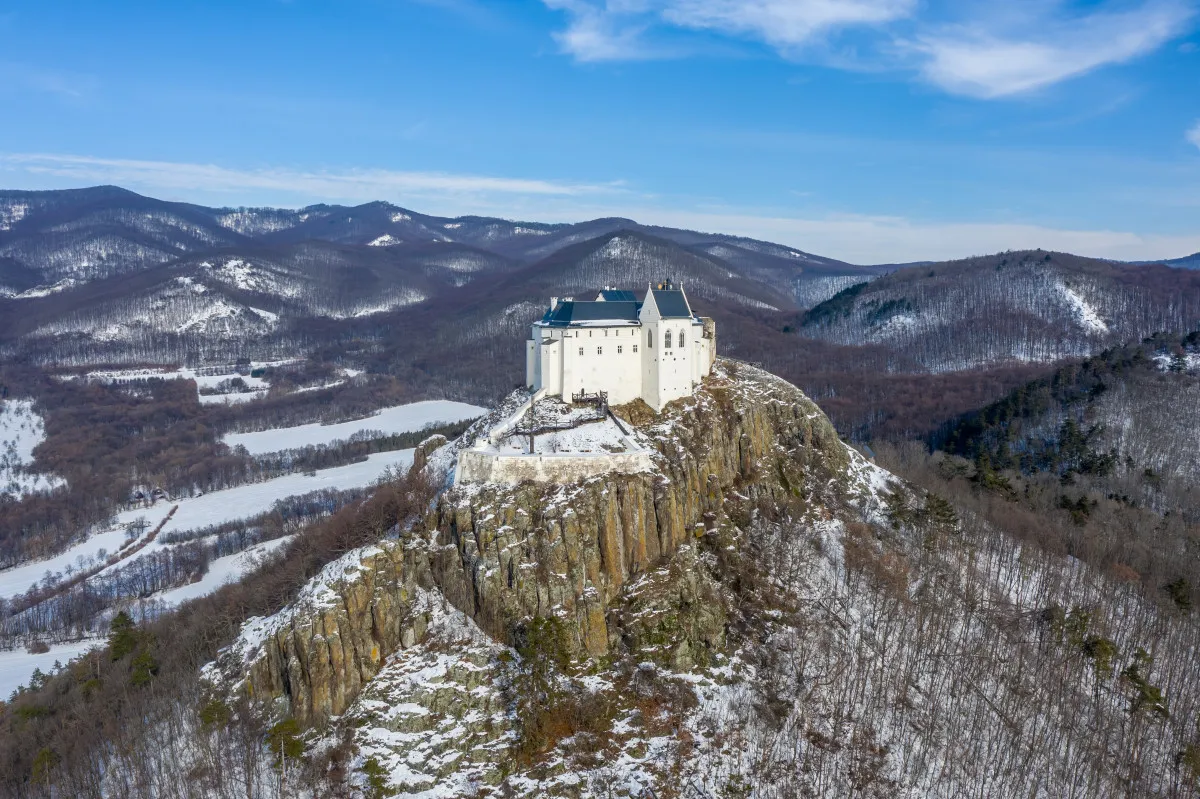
{"type": "Point", "coordinates": [1013, 307]}
{"type": "Point", "coordinates": [21, 430]}
{"type": "Point", "coordinates": [178, 308]}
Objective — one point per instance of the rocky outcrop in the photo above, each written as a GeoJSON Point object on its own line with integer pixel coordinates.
{"type": "Point", "coordinates": [314, 658]}
{"type": "Point", "coordinates": [504, 554]}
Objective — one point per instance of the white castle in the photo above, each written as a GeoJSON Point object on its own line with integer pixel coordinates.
{"type": "Point", "coordinates": [656, 349]}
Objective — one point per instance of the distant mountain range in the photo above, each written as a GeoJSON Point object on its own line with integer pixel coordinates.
{"type": "Point", "coordinates": [104, 275]}
{"type": "Point", "coordinates": [108, 272]}
{"type": "Point", "coordinates": [1187, 262]}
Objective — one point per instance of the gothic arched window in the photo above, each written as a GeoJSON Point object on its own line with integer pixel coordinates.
{"type": "Point", "coordinates": [667, 344]}
{"type": "Point", "coordinates": [650, 339]}
{"type": "Point", "coordinates": [681, 338]}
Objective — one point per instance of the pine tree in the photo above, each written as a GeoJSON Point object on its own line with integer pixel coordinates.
{"type": "Point", "coordinates": [123, 636]}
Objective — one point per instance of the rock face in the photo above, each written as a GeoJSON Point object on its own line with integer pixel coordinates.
{"type": "Point", "coordinates": [504, 554]}
{"type": "Point", "coordinates": [314, 658]}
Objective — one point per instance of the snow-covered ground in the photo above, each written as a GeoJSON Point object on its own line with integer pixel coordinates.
{"type": "Point", "coordinates": [223, 571]}
{"type": "Point", "coordinates": [16, 666]}
{"type": "Point", "coordinates": [389, 421]}
{"type": "Point", "coordinates": [21, 430]}
{"type": "Point", "coordinates": [258, 386]}
{"type": "Point", "coordinates": [601, 438]}
{"type": "Point", "coordinates": [1084, 313]}
{"type": "Point", "coordinates": [242, 502]}
{"type": "Point", "coordinates": [1190, 362]}
{"type": "Point", "coordinates": [19, 579]}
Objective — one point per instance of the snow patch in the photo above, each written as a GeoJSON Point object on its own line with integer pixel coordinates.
{"type": "Point", "coordinates": [21, 431]}
{"type": "Point", "coordinates": [46, 291]}
{"type": "Point", "coordinates": [224, 571]}
{"type": "Point", "coordinates": [256, 221]}
{"type": "Point", "coordinates": [397, 300]}
{"type": "Point", "coordinates": [12, 214]}
{"type": "Point", "coordinates": [1084, 313]}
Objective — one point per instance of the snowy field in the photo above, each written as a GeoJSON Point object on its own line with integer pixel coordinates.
{"type": "Point", "coordinates": [222, 571]}
{"type": "Point", "coordinates": [242, 502]}
{"type": "Point", "coordinates": [257, 385]}
{"type": "Point", "coordinates": [389, 421]}
{"type": "Point", "coordinates": [21, 430]}
{"type": "Point", "coordinates": [17, 665]}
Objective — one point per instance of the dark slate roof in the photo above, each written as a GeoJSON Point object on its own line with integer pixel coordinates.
{"type": "Point", "coordinates": [672, 304]}
{"type": "Point", "coordinates": [617, 295]}
{"type": "Point", "coordinates": [571, 312]}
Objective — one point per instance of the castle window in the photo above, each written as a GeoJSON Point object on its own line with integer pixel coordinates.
{"type": "Point", "coordinates": [635, 348]}
{"type": "Point", "coordinates": [599, 350]}
{"type": "Point", "coordinates": [667, 343]}
{"type": "Point", "coordinates": [620, 349]}
{"type": "Point", "coordinates": [681, 338]}
{"type": "Point", "coordinates": [650, 339]}
{"type": "Point", "coordinates": [581, 350]}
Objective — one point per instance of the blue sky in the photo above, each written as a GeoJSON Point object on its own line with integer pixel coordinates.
{"type": "Point", "coordinates": [868, 130]}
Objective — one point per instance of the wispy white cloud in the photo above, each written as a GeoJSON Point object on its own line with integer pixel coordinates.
{"type": "Point", "coordinates": [616, 30]}
{"type": "Point", "coordinates": [1028, 51]}
{"type": "Point", "coordinates": [67, 85]}
{"type": "Point", "coordinates": [1193, 135]}
{"type": "Point", "coordinates": [784, 24]}
{"type": "Point", "coordinates": [983, 50]}
{"type": "Point", "coordinates": [598, 32]}
{"type": "Point", "coordinates": [357, 184]}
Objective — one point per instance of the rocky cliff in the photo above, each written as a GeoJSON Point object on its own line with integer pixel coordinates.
{"type": "Point", "coordinates": [762, 614]}
{"type": "Point", "coordinates": [503, 554]}
{"type": "Point", "coordinates": [746, 443]}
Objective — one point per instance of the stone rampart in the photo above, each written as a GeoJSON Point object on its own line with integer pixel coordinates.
{"type": "Point", "coordinates": [493, 467]}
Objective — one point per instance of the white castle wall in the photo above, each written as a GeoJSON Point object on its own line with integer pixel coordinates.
{"type": "Point", "coordinates": [629, 361]}
{"type": "Point", "coordinates": [590, 359]}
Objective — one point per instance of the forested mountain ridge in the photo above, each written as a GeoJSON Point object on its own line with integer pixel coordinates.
{"type": "Point", "coordinates": [1187, 262]}
{"type": "Point", "coordinates": [1123, 421]}
{"type": "Point", "coordinates": [1027, 306]}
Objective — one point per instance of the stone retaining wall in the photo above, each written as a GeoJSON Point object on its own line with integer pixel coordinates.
{"type": "Point", "coordinates": [491, 467]}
